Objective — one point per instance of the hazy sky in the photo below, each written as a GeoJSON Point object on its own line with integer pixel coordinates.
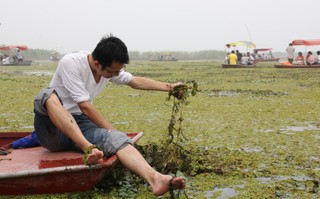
{"type": "Point", "coordinates": [157, 25]}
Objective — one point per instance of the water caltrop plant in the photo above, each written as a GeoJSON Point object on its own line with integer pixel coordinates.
{"type": "Point", "coordinates": [254, 132]}
{"type": "Point", "coordinates": [180, 94]}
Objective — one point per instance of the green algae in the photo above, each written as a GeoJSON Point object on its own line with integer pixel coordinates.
{"type": "Point", "coordinates": [255, 130]}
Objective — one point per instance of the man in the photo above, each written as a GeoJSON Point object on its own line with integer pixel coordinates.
{"type": "Point", "coordinates": [228, 49]}
{"type": "Point", "coordinates": [250, 59]}
{"type": "Point", "coordinates": [6, 59]}
{"type": "Point", "coordinates": [244, 59]}
{"type": "Point", "coordinates": [310, 59]}
{"type": "Point", "coordinates": [290, 53]}
{"type": "Point", "coordinates": [239, 56]}
{"type": "Point", "coordinates": [19, 56]}
{"type": "Point", "coordinates": [232, 58]}
{"type": "Point", "coordinates": [317, 59]}
{"type": "Point", "coordinates": [65, 118]}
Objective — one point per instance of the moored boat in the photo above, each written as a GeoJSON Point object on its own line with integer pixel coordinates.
{"type": "Point", "coordinates": [36, 170]}
{"type": "Point", "coordinates": [15, 60]}
{"type": "Point", "coordinates": [21, 63]}
{"type": "Point", "coordinates": [266, 56]}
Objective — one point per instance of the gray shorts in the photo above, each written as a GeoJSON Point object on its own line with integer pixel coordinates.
{"type": "Point", "coordinates": [110, 141]}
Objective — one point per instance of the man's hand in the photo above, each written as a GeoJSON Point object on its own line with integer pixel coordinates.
{"type": "Point", "coordinates": [178, 91]}
{"type": "Point", "coordinates": [181, 91]}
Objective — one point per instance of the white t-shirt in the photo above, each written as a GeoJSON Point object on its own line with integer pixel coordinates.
{"type": "Point", "coordinates": [290, 50]}
{"type": "Point", "coordinates": [244, 60]}
{"type": "Point", "coordinates": [74, 81]}
{"type": "Point", "coordinates": [6, 60]}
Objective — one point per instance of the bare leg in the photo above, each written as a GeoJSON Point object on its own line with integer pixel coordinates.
{"type": "Point", "coordinates": [65, 122]}
{"type": "Point", "coordinates": [133, 160]}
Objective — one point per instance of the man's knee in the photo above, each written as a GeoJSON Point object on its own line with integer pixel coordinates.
{"type": "Point", "coordinates": [114, 141]}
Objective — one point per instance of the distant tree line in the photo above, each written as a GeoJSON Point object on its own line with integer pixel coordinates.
{"type": "Point", "coordinates": [37, 54]}
{"type": "Point", "coordinates": [186, 55]}
{"type": "Point", "coordinates": [180, 55]}
{"type": "Point", "coordinates": [42, 54]}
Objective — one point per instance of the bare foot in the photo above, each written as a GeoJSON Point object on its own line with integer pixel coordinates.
{"type": "Point", "coordinates": [95, 156]}
{"type": "Point", "coordinates": [162, 186]}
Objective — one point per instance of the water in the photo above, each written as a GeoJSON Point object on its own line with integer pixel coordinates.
{"type": "Point", "coordinates": [225, 193]}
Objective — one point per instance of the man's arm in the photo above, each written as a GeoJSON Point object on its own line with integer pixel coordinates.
{"type": "Point", "coordinates": [143, 83]}
{"type": "Point", "coordinates": [94, 115]}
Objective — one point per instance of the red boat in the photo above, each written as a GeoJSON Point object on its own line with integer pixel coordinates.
{"type": "Point", "coordinates": [300, 42]}
{"type": "Point", "coordinates": [266, 56]}
{"type": "Point", "coordinates": [15, 61]}
{"type": "Point", "coordinates": [36, 170]}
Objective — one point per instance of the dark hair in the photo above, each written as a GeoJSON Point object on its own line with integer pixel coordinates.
{"type": "Point", "coordinates": [318, 52]}
{"type": "Point", "coordinates": [110, 49]}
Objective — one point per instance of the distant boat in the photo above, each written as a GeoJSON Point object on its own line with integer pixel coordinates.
{"type": "Point", "coordinates": [165, 57]}
{"type": "Point", "coordinates": [21, 63]}
{"type": "Point", "coordinates": [300, 42]}
{"type": "Point", "coordinates": [264, 57]}
{"type": "Point", "coordinates": [54, 56]}
{"type": "Point", "coordinates": [16, 61]}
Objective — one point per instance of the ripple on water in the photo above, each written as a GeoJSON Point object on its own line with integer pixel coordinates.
{"type": "Point", "coordinates": [293, 128]}
{"type": "Point", "coordinates": [225, 193]}
{"type": "Point", "coordinates": [266, 180]}
{"type": "Point", "coordinates": [301, 128]}
{"type": "Point", "coordinates": [39, 73]}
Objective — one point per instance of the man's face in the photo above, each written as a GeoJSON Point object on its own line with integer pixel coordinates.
{"type": "Point", "coordinates": [114, 70]}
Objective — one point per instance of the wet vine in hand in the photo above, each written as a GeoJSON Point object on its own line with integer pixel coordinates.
{"type": "Point", "coordinates": [180, 99]}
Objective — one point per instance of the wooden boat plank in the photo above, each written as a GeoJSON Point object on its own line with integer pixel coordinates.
{"type": "Point", "coordinates": [237, 66]}
{"type": "Point", "coordinates": [296, 66]}
{"type": "Point", "coordinates": [23, 63]}
{"type": "Point", "coordinates": [7, 138]}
